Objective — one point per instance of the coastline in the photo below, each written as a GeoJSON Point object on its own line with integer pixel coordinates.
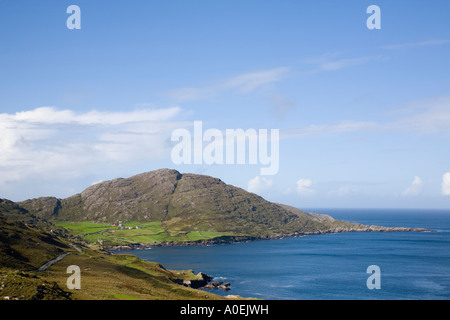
{"type": "Point", "coordinates": [240, 239]}
{"type": "Point", "coordinates": [325, 257]}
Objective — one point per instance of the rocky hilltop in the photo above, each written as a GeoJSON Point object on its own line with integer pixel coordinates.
{"type": "Point", "coordinates": [189, 202]}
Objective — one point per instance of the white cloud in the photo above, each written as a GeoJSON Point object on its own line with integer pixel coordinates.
{"type": "Point", "coordinates": [344, 63]}
{"type": "Point", "coordinates": [332, 62]}
{"type": "Point", "coordinates": [243, 83]}
{"type": "Point", "coordinates": [446, 184]}
{"type": "Point", "coordinates": [250, 81]}
{"type": "Point", "coordinates": [304, 187]}
{"type": "Point", "coordinates": [415, 187]}
{"type": "Point", "coordinates": [47, 142]}
{"type": "Point", "coordinates": [259, 185]}
{"type": "Point", "coordinates": [424, 116]}
{"type": "Point", "coordinates": [51, 115]}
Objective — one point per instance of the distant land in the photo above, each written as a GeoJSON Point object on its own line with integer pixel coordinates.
{"type": "Point", "coordinates": [165, 207]}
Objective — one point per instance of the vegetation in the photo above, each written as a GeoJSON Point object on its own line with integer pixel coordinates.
{"type": "Point", "coordinates": [133, 232]}
{"type": "Point", "coordinates": [25, 248]}
{"type": "Point", "coordinates": [124, 277]}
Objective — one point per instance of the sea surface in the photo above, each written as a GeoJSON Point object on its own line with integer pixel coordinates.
{"type": "Point", "coordinates": [413, 265]}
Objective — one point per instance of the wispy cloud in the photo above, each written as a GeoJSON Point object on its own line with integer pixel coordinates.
{"type": "Point", "coordinates": [338, 127]}
{"type": "Point", "coordinates": [428, 116]}
{"type": "Point", "coordinates": [243, 83]}
{"type": "Point", "coordinates": [345, 63]}
{"type": "Point", "coordinates": [416, 44]}
{"type": "Point", "coordinates": [51, 115]}
{"type": "Point", "coordinates": [333, 61]}
{"type": "Point", "coordinates": [424, 116]}
{"type": "Point", "coordinates": [250, 81]}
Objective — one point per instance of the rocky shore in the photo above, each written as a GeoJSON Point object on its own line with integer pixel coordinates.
{"type": "Point", "coordinates": [204, 281]}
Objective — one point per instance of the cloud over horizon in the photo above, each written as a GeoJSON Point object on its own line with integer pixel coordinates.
{"type": "Point", "coordinates": [446, 184]}
{"type": "Point", "coordinates": [49, 142]}
{"type": "Point", "coordinates": [259, 185]}
{"type": "Point", "coordinates": [415, 188]}
{"type": "Point", "coordinates": [304, 187]}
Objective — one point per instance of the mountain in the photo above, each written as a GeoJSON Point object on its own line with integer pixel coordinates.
{"type": "Point", "coordinates": [188, 203]}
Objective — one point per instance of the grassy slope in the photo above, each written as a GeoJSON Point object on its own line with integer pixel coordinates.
{"type": "Point", "coordinates": [124, 277]}
{"type": "Point", "coordinates": [24, 248]}
{"type": "Point", "coordinates": [115, 277]}
{"type": "Point", "coordinates": [27, 248]}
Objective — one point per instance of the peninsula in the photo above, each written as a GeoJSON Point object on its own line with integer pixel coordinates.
{"type": "Point", "coordinates": [165, 207]}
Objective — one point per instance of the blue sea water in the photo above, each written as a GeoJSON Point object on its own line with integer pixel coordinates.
{"type": "Point", "coordinates": [413, 265]}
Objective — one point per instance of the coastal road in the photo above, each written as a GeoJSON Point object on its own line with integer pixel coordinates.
{"type": "Point", "coordinates": [49, 263]}
{"type": "Point", "coordinates": [46, 265]}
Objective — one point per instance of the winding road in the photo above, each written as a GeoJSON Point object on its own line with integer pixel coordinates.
{"type": "Point", "coordinates": [46, 265]}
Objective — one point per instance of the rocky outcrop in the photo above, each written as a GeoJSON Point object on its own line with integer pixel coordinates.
{"type": "Point", "coordinates": [201, 280]}
{"type": "Point", "coordinates": [218, 285]}
{"type": "Point", "coordinates": [204, 281]}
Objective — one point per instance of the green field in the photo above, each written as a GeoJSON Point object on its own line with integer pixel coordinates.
{"type": "Point", "coordinates": [83, 227]}
{"type": "Point", "coordinates": [148, 233]}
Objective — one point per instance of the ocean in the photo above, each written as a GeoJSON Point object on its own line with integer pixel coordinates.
{"type": "Point", "coordinates": [412, 265]}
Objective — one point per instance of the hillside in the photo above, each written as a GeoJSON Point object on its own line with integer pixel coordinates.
{"type": "Point", "coordinates": [23, 245]}
{"type": "Point", "coordinates": [180, 207]}
{"type": "Point", "coordinates": [27, 243]}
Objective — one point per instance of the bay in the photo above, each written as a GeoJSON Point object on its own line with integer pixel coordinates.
{"type": "Point", "coordinates": [413, 265]}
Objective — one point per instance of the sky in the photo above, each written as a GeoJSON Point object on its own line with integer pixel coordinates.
{"type": "Point", "coordinates": [363, 114]}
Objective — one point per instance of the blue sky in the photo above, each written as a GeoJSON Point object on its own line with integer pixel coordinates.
{"type": "Point", "coordinates": [364, 115]}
